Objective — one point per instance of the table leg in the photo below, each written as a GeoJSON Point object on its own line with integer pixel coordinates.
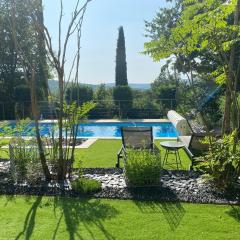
{"type": "Point", "coordinates": [180, 162]}
{"type": "Point", "coordinates": [165, 156]}
{"type": "Point", "coordinates": [176, 157]}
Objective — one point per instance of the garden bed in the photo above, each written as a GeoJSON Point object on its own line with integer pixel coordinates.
{"type": "Point", "coordinates": [177, 185]}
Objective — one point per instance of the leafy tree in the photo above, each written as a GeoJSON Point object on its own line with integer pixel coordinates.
{"type": "Point", "coordinates": [22, 93]}
{"type": "Point", "coordinates": [10, 75]}
{"type": "Point", "coordinates": [11, 66]}
{"type": "Point", "coordinates": [103, 97]}
{"type": "Point", "coordinates": [123, 99]}
{"type": "Point", "coordinates": [121, 64]}
{"type": "Point", "coordinates": [164, 87]}
{"type": "Point", "coordinates": [79, 93]}
{"type": "Point", "coordinates": [43, 68]}
{"type": "Point", "coordinates": [101, 93]}
{"type": "Point", "coordinates": [205, 32]}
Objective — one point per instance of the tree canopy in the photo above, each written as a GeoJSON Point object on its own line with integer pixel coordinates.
{"type": "Point", "coordinates": [201, 37]}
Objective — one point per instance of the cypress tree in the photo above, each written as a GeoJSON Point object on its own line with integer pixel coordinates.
{"type": "Point", "coordinates": [121, 64]}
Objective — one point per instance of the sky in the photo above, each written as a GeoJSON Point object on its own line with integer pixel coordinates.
{"type": "Point", "coordinates": [99, 37]}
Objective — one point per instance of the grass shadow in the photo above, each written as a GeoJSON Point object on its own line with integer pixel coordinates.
{"type": "Point", "coordinates": [86, 212]}
{"type": "Point", "coordinates": [162, 200]}
{"type": "Point", "coordinates": [173, 211]}
{"type": "Point", "coordinates": [29, 222]}
{"type": "Point", "coordinates": [234, 212]}
{"type": "Point", "coordinates": [74, 212]}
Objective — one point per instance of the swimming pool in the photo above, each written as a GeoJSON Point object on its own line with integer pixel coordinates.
{"type": "Point", "coordinates": [107, 129]}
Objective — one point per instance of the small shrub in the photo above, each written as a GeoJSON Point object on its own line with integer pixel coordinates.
{"type": "Point", "coordinates": [85, 185]}
{"type": "Point", "coordinates": [142, 168]}
{"type": "Point", "coordinates": [222, 161]}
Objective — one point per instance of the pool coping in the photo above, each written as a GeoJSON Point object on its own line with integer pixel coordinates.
{"type": "Point", "coordinates": [105, 120]}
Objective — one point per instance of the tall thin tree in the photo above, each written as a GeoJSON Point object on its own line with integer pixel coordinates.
{"type": "Point", "coordinates": [121, 64]}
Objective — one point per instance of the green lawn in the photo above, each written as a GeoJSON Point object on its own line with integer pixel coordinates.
{"type": "Point", "coordinates": [4, 152]}
{"type": "Point", "coordinates": [67, 218]}
{"type": "Point", "coordinates": [103, 153]}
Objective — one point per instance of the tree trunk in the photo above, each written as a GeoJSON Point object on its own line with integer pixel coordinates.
{"type": "Point", "coordinates": [231, 75]}
{"type": "Point", "coordinates": [61, 163]}
{"type": "Point", "coordinates": [226, 125]}
{"type": "Point", "coordinates": [42, 68]}
{"type": "Point", "coordinates": [36, 115]}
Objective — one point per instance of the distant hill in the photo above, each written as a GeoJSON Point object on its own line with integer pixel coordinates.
{"type": "Point", "coordinates": [139, 86]}
{"type": "Point", "coordinates": [53, 85]}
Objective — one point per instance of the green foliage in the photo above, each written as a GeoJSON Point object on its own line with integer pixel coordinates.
{"type": "Point", "coordinates": [196, 30]}
{"type": "Point", "coordinates": [73, 115]}
{"type": "Point", "coordinates": [79, 93]}
{"type": "Point", "coordinates": [86, 185]}
{"type": "Point", "coordinates": [165, 87]}
{"type": "Point", "coordinates": [105, 107]}
{"type": "Point", "coordinates": [222, 161]}
{"type": "Point", "coordinates": [142, 168]}
{"type": "Point", "coordinates": [123, 99]}
{"type": "Point", "coordinates": [22, 93]}
{"type": "Point", "coordinates": [121, 64]}
{"type": "Point", "coordinates": [24, 160]}
{"type": "Point", "coordinates": [6, 129]}
{"type": "Point", "coordinates": [196, 37]}
{"type": "Point", "coordinates": [11, 61]}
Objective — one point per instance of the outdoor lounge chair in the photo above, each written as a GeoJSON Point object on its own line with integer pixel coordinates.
{"type": "Point", "coordinates": [191, 135]}
{"type": "Point", "coordinates": [136, 138]}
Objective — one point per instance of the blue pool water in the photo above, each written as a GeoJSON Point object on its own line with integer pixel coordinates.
{"type": "Point", "coordinates": [107, 130]}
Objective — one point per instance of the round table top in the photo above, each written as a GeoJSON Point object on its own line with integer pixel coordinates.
{"type": "Point", "coordinates": [172, 144]}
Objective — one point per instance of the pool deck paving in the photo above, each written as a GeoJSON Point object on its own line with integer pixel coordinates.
{"type": "Point", "coordinates": [86, 144]}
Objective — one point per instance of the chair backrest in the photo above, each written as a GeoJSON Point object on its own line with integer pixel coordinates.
{"type": "Point", "coordinates": [137, 137]}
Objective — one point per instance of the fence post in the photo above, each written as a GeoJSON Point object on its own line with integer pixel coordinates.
{"type": "Point", "coordinates": [3, 108]}
{"type": "Point", "coordinates": [23, 112]}
{"type": "Point", "coordinates": [119, 110]}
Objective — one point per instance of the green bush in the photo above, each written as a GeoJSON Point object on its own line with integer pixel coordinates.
{"type": "Point", "coordinates": [85, 185]}
{"type": "Point", "coordinates": [142, 168]}
{"type": "Point", "coordinates": [222, 161]}
{"type": "Point", "coordinates": [123, 99]}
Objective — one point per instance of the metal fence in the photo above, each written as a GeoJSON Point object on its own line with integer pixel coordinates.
{"type": "Point", "coordinates": [103, 109]}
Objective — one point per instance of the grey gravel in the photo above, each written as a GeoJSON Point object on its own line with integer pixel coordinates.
{"type": "Point", "coordinates": [185, 186]}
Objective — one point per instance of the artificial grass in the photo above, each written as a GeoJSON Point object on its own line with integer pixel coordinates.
{"type": "Point", "coordinates": [103, 153]}
{"type": "Point", "coordinates": [4, 152]}
{"type": "Point", "coordinates": [68, 218]}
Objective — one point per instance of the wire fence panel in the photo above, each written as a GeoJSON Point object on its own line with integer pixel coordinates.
{"type": "Point", "coordinates": [103, 110]}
